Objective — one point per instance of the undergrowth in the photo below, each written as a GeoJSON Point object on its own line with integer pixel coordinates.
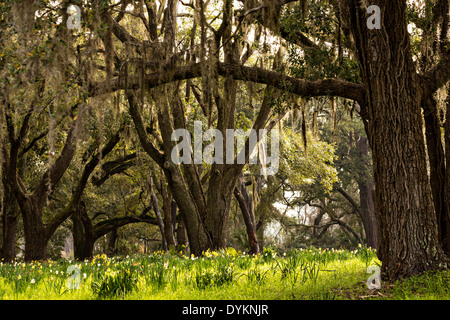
{"type": "Point", "coordinates": [310, 273]}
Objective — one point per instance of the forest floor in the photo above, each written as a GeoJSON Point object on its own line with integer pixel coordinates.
{"type": "Point", "coordinates": [427, 286]}
{"type": "Point", "coordinates": [300, 274]}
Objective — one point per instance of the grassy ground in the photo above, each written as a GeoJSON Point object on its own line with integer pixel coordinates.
{"type": "Point", "coordinates": [297, 274]}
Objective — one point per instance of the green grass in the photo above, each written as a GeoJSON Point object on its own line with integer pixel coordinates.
{"type": "Point", "coordinates": [225, 275]}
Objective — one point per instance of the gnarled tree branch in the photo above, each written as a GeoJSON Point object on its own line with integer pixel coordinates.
{"type": "Point", "coordinates": [302, 87]}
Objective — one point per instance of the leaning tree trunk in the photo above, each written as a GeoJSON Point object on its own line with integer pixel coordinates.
{"type": "Point", "coordinates": [404, 206]}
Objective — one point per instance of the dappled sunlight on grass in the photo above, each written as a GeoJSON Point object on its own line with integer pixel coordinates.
{"type": "Point", "coordinates": [227, 274]}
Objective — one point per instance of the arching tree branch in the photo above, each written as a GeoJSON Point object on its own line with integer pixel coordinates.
{"type": "Point", "coordinates": [302, 87]}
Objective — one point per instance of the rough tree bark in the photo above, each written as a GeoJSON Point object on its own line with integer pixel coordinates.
{"type": "Point", "coordinates": [404, 206]}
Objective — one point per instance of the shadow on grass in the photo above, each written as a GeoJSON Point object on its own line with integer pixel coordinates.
{"type": "Point", "coordinates": [432, 285]}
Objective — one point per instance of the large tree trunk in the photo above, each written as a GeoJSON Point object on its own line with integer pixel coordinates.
{"type": "Point", "coordinates": [220, 194]}
{"type": "Point", "coordinates": [83, 234]}
{"type": "Point", "coordinates": [404, 207]}
{"type": "Point", "coordinates": [34, 231]}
